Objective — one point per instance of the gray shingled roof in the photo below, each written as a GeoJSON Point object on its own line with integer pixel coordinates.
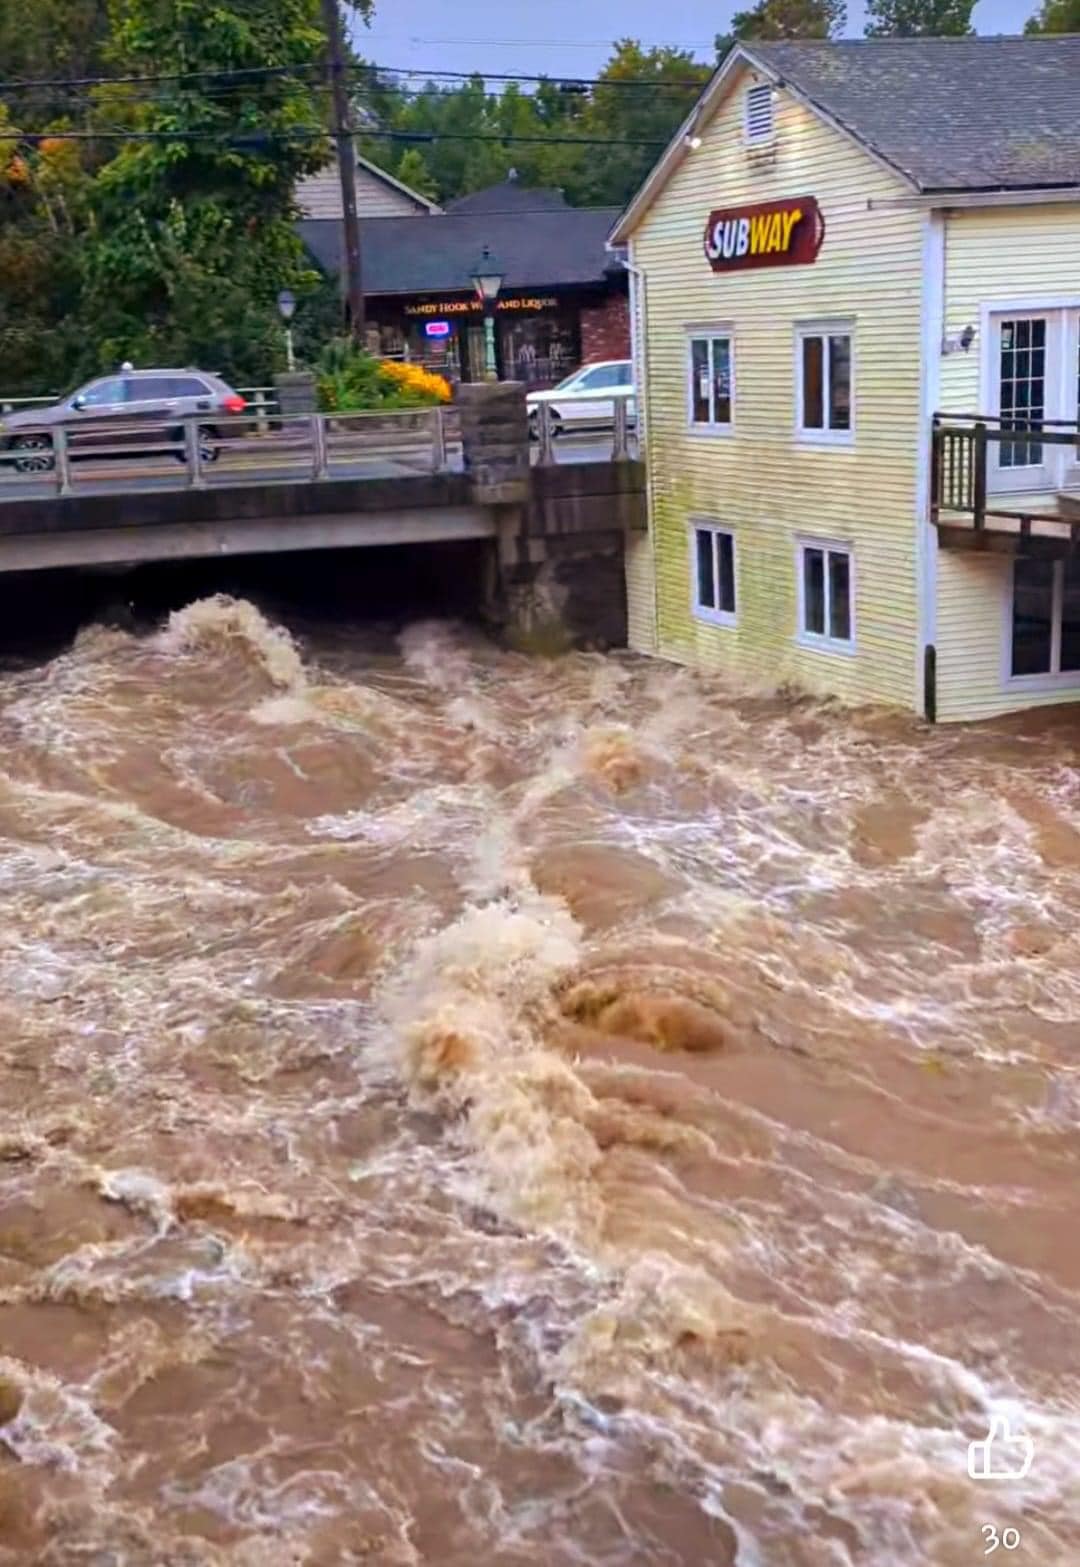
{"type": "Point", "coordinates": [536, 249]}
{"type": "Point", "coordinates": [961, 114]}
{"type": "Point", "coordinates": [510, 196]}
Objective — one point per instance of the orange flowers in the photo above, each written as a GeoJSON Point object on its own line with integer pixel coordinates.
{"type": "Point", "coordinates": [415, 379]}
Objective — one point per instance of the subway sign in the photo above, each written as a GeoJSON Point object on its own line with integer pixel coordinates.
{"type": "Point", "coordinates": [768, 234]}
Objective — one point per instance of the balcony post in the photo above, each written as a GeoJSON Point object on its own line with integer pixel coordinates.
{"type": "Point", "coordinates": [978, 504]}
{"type": "Point", "coordinates": [935, 468]}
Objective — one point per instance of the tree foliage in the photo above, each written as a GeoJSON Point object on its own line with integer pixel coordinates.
{"type": "Point", "coordinates": [1055, 16]}
{"type": "Point", "coordinates": [918, 18]}
{"type": "Point", "coordinates": [553, 116]}
{"type": "Point", "coordinates": [771, 19]}
{"type": "Point", "coordinates": [160, 248]}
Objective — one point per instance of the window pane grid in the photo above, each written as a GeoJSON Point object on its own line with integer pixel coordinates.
{"type": "Point", "coordinates": [710, 376]}
{"type": "Point", "coordinates": [1045, 617]}
{"type": "Point", "coordinates": [714, 574]}
{"type": "Point", "coordinates": [825, 382]}
{"type": "Point", "coordinates": [826, 593]}
{"type": "Point", "coordinates": [1022, 373]}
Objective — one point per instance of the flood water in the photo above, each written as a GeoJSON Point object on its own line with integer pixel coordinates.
{"type": "Point", "coordinates": [466, 1109]}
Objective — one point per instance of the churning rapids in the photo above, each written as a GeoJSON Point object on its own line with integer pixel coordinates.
{"type": "Point", "coordinates": [465, 1109]}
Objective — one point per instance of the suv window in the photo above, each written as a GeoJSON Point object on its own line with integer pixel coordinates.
{"type": "Point", "coordinates": [102, 394]}
{"type": "Point", "coordinates": [150, 388]}
{"type": "Point", "coordinates": [188, 386]}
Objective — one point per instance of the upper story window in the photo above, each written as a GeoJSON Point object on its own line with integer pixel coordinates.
{"type": "Point", "coordinates": [824, 382]}
{"type": "Point", "coordinates": [758, 121]}
{"type": "Point", "coordinates": [711, 388]}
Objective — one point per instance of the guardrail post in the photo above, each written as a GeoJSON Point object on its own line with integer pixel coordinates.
{"type": "Point", "coordinates": [320, 452]}
{"type": "Point", "coordinates": [621, 450]}
{"type": "Point", "coordinates": [62, 460]}
{"type": "Point", "coordinates": [545, 455]}
{"type": "Point", "coordinates": [978, 504]}
{"type": "Point", "coordinates": [192, 455]}
{"type": "Point", "coordinates": [261, 422]}
{"type": "Point", "coordinates": [438, 441]}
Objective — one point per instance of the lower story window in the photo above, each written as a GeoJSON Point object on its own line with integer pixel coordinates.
{"type": "Point", "coordinates": [825, 594]}
{"type": "Point", "coordinates": [714, 573]}
{"type": "Point", "coordinates": [1046, 617]}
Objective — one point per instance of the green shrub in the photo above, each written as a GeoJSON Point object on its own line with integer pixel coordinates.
{"type": "Point", "coordinates": [350, 380]}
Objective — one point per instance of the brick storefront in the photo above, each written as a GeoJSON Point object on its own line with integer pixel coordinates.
{"type": "Point", "coordinates": [605, 329]}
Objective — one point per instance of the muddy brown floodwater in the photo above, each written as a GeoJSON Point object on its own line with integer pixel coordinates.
{"type": "Point", "coordinates": [464, 1109]}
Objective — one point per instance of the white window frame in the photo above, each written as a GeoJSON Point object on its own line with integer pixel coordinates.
{"type": "Point", "coordinates": [1061, 464]}
{"type": "Point", "coordinates": [814, 639]}
{"type": "Point", "coordinates": [759, 92]}
{"type": "Point", "coordinates": [840, 326]}
{"type": "Point", "coordinates": [1046, 680]}
{"type": "Point", "coordinates": [709, 331]}
{"type": "Point", "coordinates": [714, 617]}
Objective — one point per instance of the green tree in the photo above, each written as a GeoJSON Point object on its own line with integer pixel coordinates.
{"type": "Point", "coordinates": [1055, 16]}
{"type": "Point", "coordinates": [50, 39]}
{"type": "Point", "coordinates": [918, 18]}
{"type": "Point", "coordinates": [413, 171]}
{"type": "Point", "coordinates": [624, 114]}
{"type": "Point", "coordinates": [191, 238]}
{"type": "Point", "coordinates": [773, 19]}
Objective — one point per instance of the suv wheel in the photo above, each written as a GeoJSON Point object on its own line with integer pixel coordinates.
{"type": "Point", "coordinates": [35, 454]}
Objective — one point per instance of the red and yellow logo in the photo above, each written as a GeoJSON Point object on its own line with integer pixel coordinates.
{"type": "Point", "coordinates": [768, 234]}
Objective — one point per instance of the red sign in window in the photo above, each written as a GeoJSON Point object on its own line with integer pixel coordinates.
{"type": "Point", "coordinates": [769, 234]}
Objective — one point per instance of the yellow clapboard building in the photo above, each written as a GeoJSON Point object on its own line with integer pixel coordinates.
{"type": "Point", "coordinates": [855, 278]}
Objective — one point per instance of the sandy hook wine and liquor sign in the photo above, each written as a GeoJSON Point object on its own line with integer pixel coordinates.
{"type": "Point", "coordinates": [769, 234]}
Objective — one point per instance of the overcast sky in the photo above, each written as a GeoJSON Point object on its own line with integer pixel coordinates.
{"type": "Point", "coordinates": [571, 37]}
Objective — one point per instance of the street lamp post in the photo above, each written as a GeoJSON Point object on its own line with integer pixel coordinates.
{"type": "Point", "coordinates": [286, 303]}
{"type": "Point", "coordinates": [488, 280]}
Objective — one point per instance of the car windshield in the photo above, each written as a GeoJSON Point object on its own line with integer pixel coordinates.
{"type": "Point", "coordinates": [570, 380]}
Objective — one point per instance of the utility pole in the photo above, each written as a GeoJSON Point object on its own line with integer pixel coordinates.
{"type": "Point", "coordinates": [341, 128]}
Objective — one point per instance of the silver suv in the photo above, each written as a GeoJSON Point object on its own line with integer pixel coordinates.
{"type": "Point", "coordinates": [136, 408]}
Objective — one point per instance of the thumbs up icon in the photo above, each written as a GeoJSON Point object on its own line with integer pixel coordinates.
{"type": "Point", "coordinates": [1002, 1456]}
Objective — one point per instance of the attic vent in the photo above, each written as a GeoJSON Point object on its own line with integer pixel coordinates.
{"type": "Point", "coordinates": [759, 113]}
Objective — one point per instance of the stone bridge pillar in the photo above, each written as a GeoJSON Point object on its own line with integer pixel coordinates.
{"type": "Point", "coordinates": [555, 575]}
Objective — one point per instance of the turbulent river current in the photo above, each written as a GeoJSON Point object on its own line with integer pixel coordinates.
{"type": "Point", "coordinates": [466, 1109]}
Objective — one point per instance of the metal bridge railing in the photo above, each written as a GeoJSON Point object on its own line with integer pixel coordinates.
{"type": "Point", "coordinates": [251, 448]}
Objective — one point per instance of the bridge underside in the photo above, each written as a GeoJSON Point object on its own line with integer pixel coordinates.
{"type": "Point", "coordinates": [267, 536]}
{"type": "Point", "coordinates": [103, 530]}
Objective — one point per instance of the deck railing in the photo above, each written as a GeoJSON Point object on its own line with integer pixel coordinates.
{"type": "Point", "coordinates": [962, 445]}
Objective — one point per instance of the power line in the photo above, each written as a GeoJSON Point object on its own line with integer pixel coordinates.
{"type": "Point", "coordinates": [260, 138]}
{"type": "Point", "coordinates": [258, 74]}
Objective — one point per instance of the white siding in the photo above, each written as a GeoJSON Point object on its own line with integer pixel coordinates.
{"type": "Point", "coordinates": [993, 256]}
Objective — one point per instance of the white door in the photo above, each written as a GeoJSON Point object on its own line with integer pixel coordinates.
{"type": "Point", "coordinates": [1025, 368]}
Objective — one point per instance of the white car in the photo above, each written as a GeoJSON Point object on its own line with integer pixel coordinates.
{"type": "Point", "coordinates": [586, 398]}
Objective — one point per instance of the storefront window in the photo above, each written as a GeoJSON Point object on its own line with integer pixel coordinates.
{"type": "Point", "coordinates": [540, 349]}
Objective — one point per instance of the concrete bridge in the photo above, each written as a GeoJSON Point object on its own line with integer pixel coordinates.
{"type": "Point", "coordinates": [550, 537]}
